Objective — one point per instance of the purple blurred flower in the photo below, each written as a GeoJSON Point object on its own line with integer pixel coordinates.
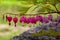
{"type": "Point", "coordinates": [50, 17]}
{"type": "Point", "coordinates": [54, 24]}
{"type": "Point", "coordinates": [45, 19]}
{"type": "Point", "coordinates": [31, 20]}
{"type": "Point", "coordinates": [39, 18]}
{"type": "Point", "coordinates": [58, 18]}
{"type": "Point", "coordinates": [23, 19]}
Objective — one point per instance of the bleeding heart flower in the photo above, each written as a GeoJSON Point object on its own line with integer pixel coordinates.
{"type": "Point", "coordinates": [33, 20]}
{"type": "Point", "coordinates": [15, 20]}
{"type": "Point", "coordinates": [45, 19]}
{"type": "Point", "coordinates": [39, 18]}
{"type": "Point", "coordinates": [50, 17]}
{"type": "Point", "coordinates": [28, 20]}
{"type": "Point", "coordinates": [9, 18]}
{"type": "Point", "coordinates": [23, 20]}
{"type": "Point", "coordinates": [58, 19]}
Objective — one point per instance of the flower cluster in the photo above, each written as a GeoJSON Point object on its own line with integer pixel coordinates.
{"type": "Point", "coordinates": [33, 20]}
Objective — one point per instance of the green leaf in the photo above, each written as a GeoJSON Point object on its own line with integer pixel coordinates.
{"type": "Point", "coordinates": [53, 1]}
{"type": "Point", "coordinates": [58, 6]}
{"type": "Point", "coordinates": [52, 8]}
{"type": "Point", "coordinates": [31, 9]}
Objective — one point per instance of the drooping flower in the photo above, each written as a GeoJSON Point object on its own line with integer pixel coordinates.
{"type": "Point", "coordinates": [9, 19]}
{"type": "Point", "coordinates": [58, 19]}
{"type": "Point", "coordinates": [23, 20]}
{"type": "Point", "coordinates": [33, 20]}
{"type": "Point", "coordinates": [45, 19]}
{"type": "Point", "coordinates": [28, 20]}
{"type": "Point", "coordinates": [15, 20]}
{"type": "Point", "coordinates": [39, 18]}
{"type": "Point", "coordinates": [50, 17]}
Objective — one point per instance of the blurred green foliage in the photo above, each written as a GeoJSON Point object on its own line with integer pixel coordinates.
{"type": "Point", "coordinates": [22, 6]}
{"type": "Point", "coordinates": [28, 7]}
{"type": "Point", "coordinates": [49, 33]}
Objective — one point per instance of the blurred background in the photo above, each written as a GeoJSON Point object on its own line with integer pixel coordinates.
{"type": "Point", "coordinates": [24, 7]}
